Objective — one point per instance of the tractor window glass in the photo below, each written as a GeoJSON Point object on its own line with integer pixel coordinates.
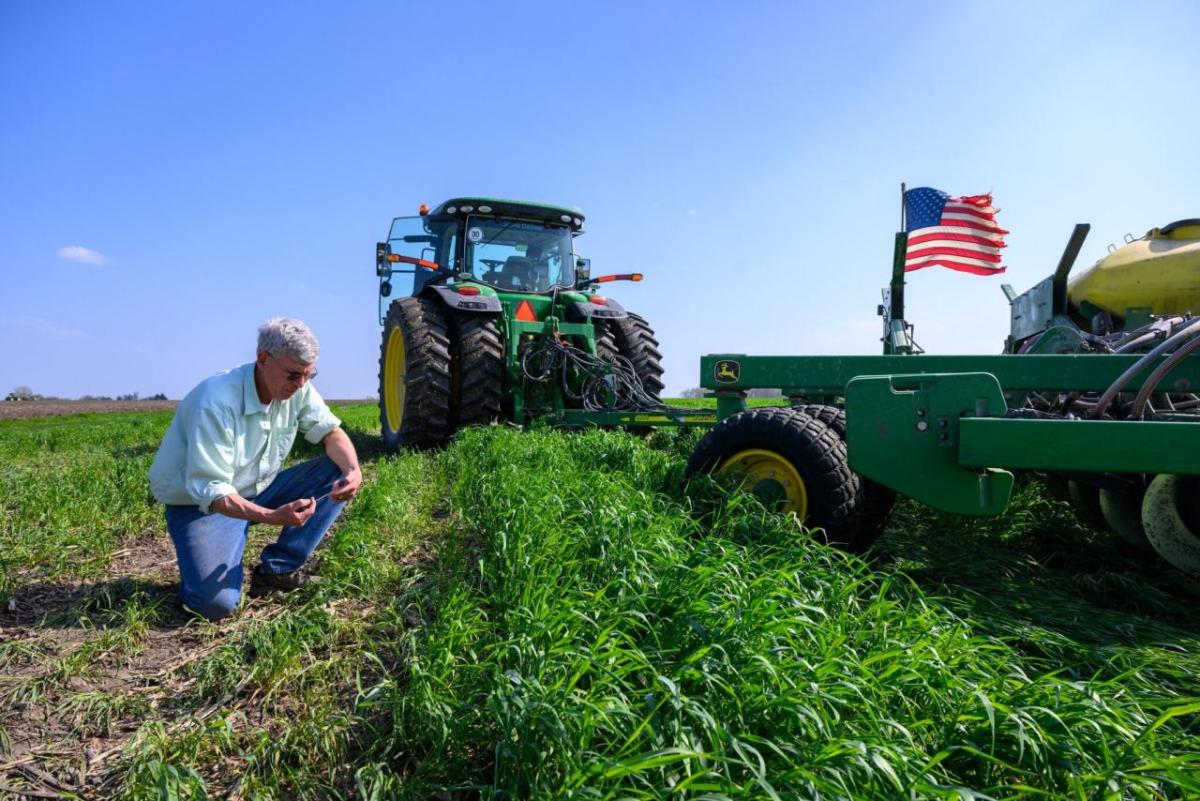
{"type": "Point", "coordinates": [518, 256]}
{"type": "Point", "coordinates": [421, 238]}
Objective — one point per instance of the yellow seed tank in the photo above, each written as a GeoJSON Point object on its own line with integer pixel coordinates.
{"type": "Point", "coordinates": [1160, 271]}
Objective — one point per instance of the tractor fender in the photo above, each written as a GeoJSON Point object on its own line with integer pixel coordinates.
{"type": "Point", "coordinates": [479, 304]}
{"type": "Point", "coordinates": [582, 310]}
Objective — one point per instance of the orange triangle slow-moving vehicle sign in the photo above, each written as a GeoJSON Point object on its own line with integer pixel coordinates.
{"type": "Point", "coordinates": [525, 312]}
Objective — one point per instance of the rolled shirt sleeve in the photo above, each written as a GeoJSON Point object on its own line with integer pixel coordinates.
{"type": "Point", "coordinates": [209, 472]}
{"type": "Point", "coordinates": [314, 419]}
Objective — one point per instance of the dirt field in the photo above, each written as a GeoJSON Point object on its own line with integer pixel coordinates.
{"type": "Point", "coordinates": [11, 410]}
{"type": "Point", "coordinates": [53, 408]}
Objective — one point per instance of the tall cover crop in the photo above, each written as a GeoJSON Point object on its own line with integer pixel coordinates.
{"type": "Point", "coordinates": [597, 633]}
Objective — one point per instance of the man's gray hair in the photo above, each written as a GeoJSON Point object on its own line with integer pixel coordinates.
{"type": "Point", "coordinates": [283, 336]}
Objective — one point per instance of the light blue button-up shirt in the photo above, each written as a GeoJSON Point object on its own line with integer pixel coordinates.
{"type": "Point", "coordinates": [223, 439]}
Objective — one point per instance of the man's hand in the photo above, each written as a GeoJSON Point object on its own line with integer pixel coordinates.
{"type": "Point", "coordinates": [295, 513]}
{"type": "Point", "coordinates": [347, 486]}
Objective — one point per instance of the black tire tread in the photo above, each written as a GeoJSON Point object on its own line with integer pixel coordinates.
{"type": "Point", "coordinates": [606, 342]}
{"type": "Point", "coordinates": [477, 395]}
{"type": "Point", "coordinates": [835, 497]}
{"type": "Point", "coordinates": [878, 500]}
{"type": "Point", "coordinates": [424, 421]}
{"type": "Point", "coordinates": [831, 416]}
{"type": "Point", "coordinates": [635, 340]}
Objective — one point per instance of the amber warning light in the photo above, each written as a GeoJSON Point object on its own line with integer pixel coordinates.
{"type": "Point", "coordinates": [428, 265]}
{"type": "Point", "coordinates": [604, 279]}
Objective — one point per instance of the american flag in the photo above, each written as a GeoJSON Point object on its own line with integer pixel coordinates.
{"type": "Point", "coordinates": [955, 232]}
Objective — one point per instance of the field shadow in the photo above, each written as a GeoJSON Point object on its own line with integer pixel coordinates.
{"type": "Point", "coordinates": [369, 447]}
{"type": "Point", "coordinates": [1047, 584]}
{"type": "Point", "coordinates": [135, 451]}
{"type": "Point", "coordinates": [96, 605]}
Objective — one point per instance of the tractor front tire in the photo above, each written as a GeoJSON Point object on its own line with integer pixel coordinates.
{"type": "Point", "coordinates": [633, 338]}
{"type": "Point", "coordinates": [477, 371]}
{"type": "Point", "coordinates": [414, 375]}
{"type": "Point", "coordinates": [793, 462]}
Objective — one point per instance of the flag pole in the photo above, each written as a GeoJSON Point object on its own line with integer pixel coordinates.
{"type": "Point", "coordinates": [896, 310]}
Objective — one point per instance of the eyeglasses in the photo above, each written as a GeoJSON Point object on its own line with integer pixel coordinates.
{"type": "Point", "coordinates": [295, 376]}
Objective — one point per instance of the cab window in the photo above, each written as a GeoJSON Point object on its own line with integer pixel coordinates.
{"type": "Point", "coordinates": [517, 255]}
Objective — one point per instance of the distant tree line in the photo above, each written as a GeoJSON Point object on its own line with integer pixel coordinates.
{"type": "Point", "coordinates": [700, 392]}
{"type": "Point", "coordinates": [24, 393]}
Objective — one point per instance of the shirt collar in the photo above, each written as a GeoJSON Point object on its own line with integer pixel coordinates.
{"type": "Point", "coordinates": [250, 393]}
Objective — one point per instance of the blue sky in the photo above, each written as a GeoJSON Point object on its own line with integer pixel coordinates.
{"type": "Point", "coordinates": [225, 162]}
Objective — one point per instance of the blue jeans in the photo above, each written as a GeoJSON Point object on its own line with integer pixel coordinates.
{"type": "Point", "coordinates": [209, 547]}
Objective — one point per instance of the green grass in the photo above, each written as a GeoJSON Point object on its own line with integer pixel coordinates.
{"type": "Point", "coordinates": [553, 615]}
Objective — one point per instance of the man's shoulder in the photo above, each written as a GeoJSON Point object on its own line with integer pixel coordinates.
{"type": "Point", "coordinates": [221, 391]}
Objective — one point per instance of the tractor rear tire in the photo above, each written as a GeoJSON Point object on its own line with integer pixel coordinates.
{"type": "Point", "coordinates": [477, 371]}
{"type": "Point", "coordinates": [791, 461]}
{"type": "Point", "coordinates": [414, 375]}
{"type": "Point", "coordinates": [634, 339]}
{"type": "Point", "coordinates": [878, 500]}
{"type": "Point", "coordinates": [606, 342]}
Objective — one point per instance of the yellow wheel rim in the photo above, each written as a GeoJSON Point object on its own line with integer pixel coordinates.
{"type": "Point", "coordinates": [394, 366]}
{"type": "Point", "coordinates": [771, 478]}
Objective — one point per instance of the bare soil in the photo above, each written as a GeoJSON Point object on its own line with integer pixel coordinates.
{"type": "Point", "coordinates": [12, 410]}
{"type": "Point", "coordinates": [53, 744]}
{"type": "Point", "coordinates": [54, 408]}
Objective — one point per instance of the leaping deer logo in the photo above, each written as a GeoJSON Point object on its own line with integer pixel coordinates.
{"type": "Point", "coordinates": [728, 371]}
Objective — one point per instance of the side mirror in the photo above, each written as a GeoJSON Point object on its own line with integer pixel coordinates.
{"type": "Point", "coordinates": [583, 269]}
{"type": "Point", "coordinates": [382, 251]}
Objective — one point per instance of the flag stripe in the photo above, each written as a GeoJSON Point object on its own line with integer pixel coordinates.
{"type": "Point", "coordinates": [953, 219]}
{"type": "Point", "coordinates": [987, 213]}
{"type": "Point", "coordinates": [933, 257]}
{"type": "Point", "coordinates": [949, 235]}
{"type": "Point", "coordinates": [954, 240]}
{"type": "Point", "coordinates": [955, 248]}
{"type": "Point", "coordinates": [966, 253]}
{"type": "Point", "coordinates": [959, 266]}
{"type": "Point", "coordinates": [975, 200]}
{"type": "Point", "coordinates": [957, 231]}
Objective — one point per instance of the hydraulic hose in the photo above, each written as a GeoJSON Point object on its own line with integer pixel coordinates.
{"type": "Point", "coordinates": [1137, 342]}
{"type": "Point", "coordinates": [1139, 401]}
{"type": "Point", "coordinates": [1166, 345]}
{"type": "Point", "coordinates": [604, 384]}
{"type": "Point", "coordinates": [1149, 333]}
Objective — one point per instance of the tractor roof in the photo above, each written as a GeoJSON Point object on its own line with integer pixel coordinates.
{"type": "Point", "coordinates": [503, 207]}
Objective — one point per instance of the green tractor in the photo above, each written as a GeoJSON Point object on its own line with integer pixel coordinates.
{"type": "Point", "coordinates": [499, 320]}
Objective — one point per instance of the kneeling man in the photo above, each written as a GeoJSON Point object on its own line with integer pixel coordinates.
{"type": "Point", "coordinates": [218, 471]}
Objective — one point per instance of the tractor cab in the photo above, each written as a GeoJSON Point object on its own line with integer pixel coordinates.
{"type": "Point", "coordinates": [511, 246]}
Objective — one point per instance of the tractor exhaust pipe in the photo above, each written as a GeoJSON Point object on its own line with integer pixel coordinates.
{"type": "Point", "coordinates": [1065, 264]}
